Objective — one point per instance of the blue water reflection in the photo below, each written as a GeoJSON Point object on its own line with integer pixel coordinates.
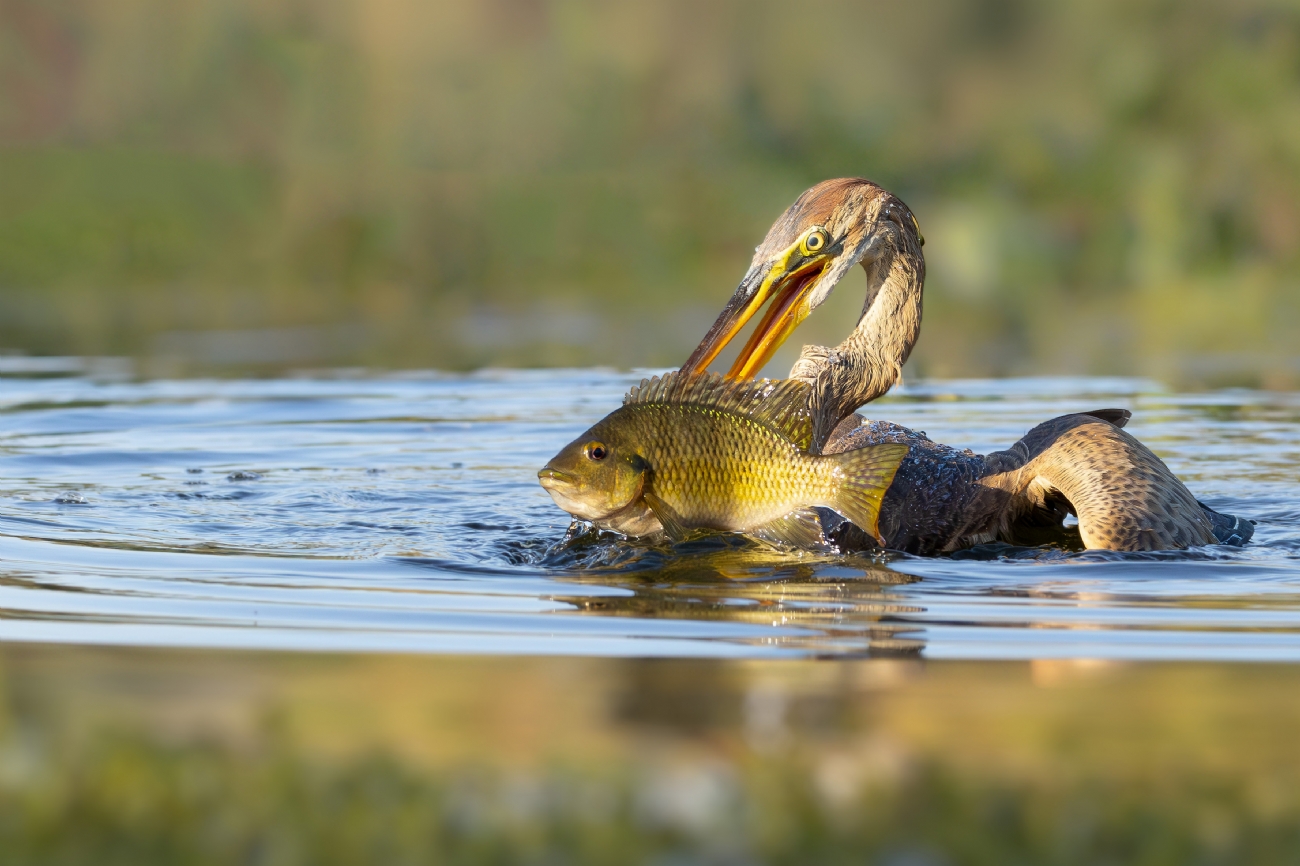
{"type": "Point", "coordinates": [401, 512]}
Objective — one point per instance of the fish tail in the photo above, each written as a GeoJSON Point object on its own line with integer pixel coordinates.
{"type": "Point", "coordinates": [868, 472]}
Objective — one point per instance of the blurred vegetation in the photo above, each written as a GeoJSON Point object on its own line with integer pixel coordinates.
{"type": "Point", "coordinates": [1105, 186]}
{"type": "Point", "coordinates": [140, 757]}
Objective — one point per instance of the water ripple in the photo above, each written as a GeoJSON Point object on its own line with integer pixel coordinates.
{"type": "Point", "coordinates": [402, 513]}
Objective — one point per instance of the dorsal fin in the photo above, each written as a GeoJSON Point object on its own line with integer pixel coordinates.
{"type": "Point", "coordinates": [781, 404]}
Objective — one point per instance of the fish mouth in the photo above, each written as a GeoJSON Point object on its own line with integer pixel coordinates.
{"type": "Point", "coordinates": [552, 478]}
{"type": "Point", "coordinates": [563, 488]}
{"type": "Point", "coordinates": [559, 484]}
{"type": "Point", "coordinates": [788, 282]}
{"type": "Point", "coordinates": [577, 499]}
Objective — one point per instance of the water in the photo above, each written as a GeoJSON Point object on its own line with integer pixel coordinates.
{"type": "Point", "coordinates": [401, 512]}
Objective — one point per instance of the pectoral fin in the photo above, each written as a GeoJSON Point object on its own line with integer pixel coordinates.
{"type": "Point", "coordinates": [801, 529]}
{"type": "Point", "coordinates": [673, 526]}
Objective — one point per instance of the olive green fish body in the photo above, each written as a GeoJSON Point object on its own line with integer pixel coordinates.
{"type": "Point", "coordinates": [719, 469]}
{"type": "Point", "coordinates": [704, 452]}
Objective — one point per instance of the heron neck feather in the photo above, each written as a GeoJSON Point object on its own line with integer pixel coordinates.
{"type": "Point", "coordinates": [870, 360]}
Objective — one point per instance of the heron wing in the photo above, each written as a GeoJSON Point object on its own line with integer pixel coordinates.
{"type": "Point", "coordinates": [1125, 497]}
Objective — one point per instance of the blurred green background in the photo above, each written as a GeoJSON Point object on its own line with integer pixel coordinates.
{"type": "Point", "coordinates": [1105, 186]}
{"type": "Point", "coordinates": [139, 756]}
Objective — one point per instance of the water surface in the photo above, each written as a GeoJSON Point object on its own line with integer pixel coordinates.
{"type": "Point", "coordinates": [401, 512]}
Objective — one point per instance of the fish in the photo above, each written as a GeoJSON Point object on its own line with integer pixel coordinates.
{"type": "Point", "coordinates": [691, 451]}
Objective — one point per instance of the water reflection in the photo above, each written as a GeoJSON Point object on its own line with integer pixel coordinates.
{"type": "Point", "coordinates": [403, 513]}
{"type": "Point", "coordinates": [818, 603]}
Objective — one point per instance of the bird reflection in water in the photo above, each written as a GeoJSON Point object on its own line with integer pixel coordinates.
{"type": "Point", "coordinates": [823, 604]}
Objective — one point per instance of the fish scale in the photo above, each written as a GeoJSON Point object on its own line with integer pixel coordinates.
{"type": "Point", "coordinates": [700, 451]}
{"type": "Point", "coordinates": [717, 468]}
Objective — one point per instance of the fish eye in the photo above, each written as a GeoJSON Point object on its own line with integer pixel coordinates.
{"type": "Point", "coordinates": [596, 451]}
{"type": "Point", "coordinates": [815, 242]}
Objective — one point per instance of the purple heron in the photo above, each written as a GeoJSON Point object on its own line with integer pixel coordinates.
{"type": "Point", "coordinates": [942, 499]}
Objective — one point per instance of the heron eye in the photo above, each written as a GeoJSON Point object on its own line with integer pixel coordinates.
{"type": "Point", "coordinates": [596, 451]}
{"type": "Point", "coordinates": [815, 242]}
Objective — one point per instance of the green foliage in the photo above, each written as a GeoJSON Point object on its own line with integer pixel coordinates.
{"type": "Point", "coordinates": [1104, 186]}
{"type": "Point", "coordinates": [140, 756]}
{"type": "Point", "coordinates": [124, 799]}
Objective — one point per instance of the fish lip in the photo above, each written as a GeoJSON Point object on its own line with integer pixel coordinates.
{"type": "Point", "coordinates": [549, 478]}
{"type": "Point", "coordinates": [563, 488]}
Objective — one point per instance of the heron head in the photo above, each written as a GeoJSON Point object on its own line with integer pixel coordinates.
{"type": "Point", "coordinates": [829, 229]}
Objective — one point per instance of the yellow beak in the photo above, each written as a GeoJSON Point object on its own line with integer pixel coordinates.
{"type": "Point", "coordinates": [789, 279]}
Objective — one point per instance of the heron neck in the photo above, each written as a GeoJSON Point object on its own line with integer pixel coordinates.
{"type": "Point", "coordinates": [870, 360]}
{"type": "Point", "coordinates": [889, 327]}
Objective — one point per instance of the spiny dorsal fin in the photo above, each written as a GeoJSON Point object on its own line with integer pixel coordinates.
{"type": "Point", "coordinates": [781, 404]}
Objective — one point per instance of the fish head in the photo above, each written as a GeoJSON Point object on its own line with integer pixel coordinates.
{"type": "Point", "coordinates": [595, 477]}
